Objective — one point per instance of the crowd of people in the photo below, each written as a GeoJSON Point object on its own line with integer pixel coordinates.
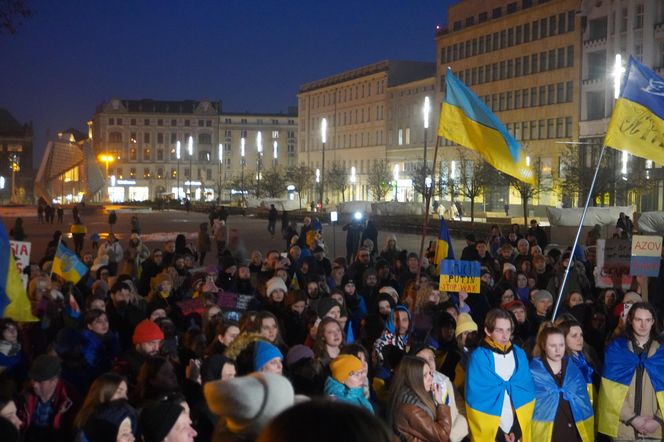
{"type": "Point", "coordinates": [288, 344]}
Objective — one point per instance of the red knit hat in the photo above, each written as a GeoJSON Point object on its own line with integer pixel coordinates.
{"type": "Point", "coordinates": [147, 331]}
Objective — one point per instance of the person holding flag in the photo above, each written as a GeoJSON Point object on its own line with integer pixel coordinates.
{"type": "Point", "coordinates": [14, 302]}
{"type": "Point", "coordinates": [444, 246]}
{"type": "Point", "coordinates": [67, 265]}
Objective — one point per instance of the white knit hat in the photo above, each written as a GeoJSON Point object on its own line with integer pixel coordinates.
{"type": "Point", "coordinates": [246, 404]}
{"type": "Point", "coordinates": [275, 284]}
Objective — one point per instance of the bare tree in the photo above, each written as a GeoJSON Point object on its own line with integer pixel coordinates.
{"type": "Point", "coordinates": [12, 13]}
{"type": "Point", "coordinates": [420, 173]}
{"type": "Point", "coordinates": [474, 174]}
{"type": "Point", "coordinates": [529, 192]}
{"type": "Point", "coordinates": [273, 182]}
{"type": "Point", "coordinates": [336, 179]}
{"type": "Point", "coordinates": [578, 168]}
{"type": "Point", "coordinates": [379, 180]}
{"type": "Point", "coordinates": [301, 177]}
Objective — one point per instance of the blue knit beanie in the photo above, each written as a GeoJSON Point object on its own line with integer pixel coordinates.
{"type": "Point", "coordinates": [264, 353]}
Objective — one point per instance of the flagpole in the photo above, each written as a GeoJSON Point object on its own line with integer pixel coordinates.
{"type": "Point", "coordinates": [578, 233]}
{"type": "Point", "coordinates": [427, 197]}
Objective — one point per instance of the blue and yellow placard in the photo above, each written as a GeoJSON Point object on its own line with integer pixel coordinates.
{"type": "Point", "coordinates": [457, 275]}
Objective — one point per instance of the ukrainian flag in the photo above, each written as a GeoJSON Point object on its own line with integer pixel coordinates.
{"type": "Point", "coordinates": [485, 392]}
{"type": "Point", "coordinates": [547, 398]}
{"type": "Point", "coordinates": [619, 366]}
{"type": "Point", "coordinates": [444, 247]}
{"type": "Point", "coordinates": [637, 121]}
{"type": "Point", "coordinates": [14, 302]}
{"type": "Point", "coordinates": [67, 265]}
{"type": "Point", "coordinates": [467, 121]}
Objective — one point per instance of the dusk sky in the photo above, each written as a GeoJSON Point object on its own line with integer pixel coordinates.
{"type": "Point", "coordinates": [252, 55]}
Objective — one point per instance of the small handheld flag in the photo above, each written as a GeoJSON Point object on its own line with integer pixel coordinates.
{"type": "Point", "coordinates": [67, 265]}
{"type": "Point", "coordinates": [444, 247]}
{"type": "Point", "coordinates": [14, 302]}
{"type": "Point", "coordinates": [637, 121]}
{"type": "Point", "coordinates": [467, 121]}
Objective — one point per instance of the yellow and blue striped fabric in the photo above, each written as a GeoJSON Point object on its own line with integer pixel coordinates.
{"type": "Point", "coordinates": [619, 367]}
{"type": "Point", "coordinates": [637, 121]}
{"type": "Point", "coordinates": [67, 265]}
{"type": "Point", "coordinates": [14, 302]}
{"type": "Point", "coordinates": [485, 392]}
{"type": "Point", "coordinates": [547, 398]}
{"type": "Point", "coordinates": [467, 121]}
{"type": "Point", "coordinates": [444, 246]}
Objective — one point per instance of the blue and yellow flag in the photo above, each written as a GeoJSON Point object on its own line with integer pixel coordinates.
{"type": "Point", "coordinates": [547, 398]}
{"type": "Point", "coordinates": [467, 121]}
{"type": "Point", "coordinates": [637, 121]}
{"type": "Point", "coordinates": [67, 265]}
{"type": "Point", "coordinates": [14, 302]}
{"type": "Point", "coordinates": [619, 367]}
{"type": "Point", "coordinates": [444, 247]}
{"type": "Point", "coordinates": [485, 393]}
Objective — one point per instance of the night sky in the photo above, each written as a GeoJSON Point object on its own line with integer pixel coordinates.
{"type": "Point", "coordinates": [252, 55]}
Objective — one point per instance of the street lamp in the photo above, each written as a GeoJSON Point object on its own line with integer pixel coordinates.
{"type": "Point", "coordinates": [396, 182]}
{"type": "Point", "coordinates": [15, 168]}
{"type": "Point", "coordinates": [190, 151]}
{"type": "Point", "coordinates": [353, 179]}
{"type": "Point", "coordinates": [425, 114]}
{"type": "Point", "coordinates": [323, 136]}
{"type": "Point", "coordinates": [221, 160]}
{"type": "Point", "coordinates": [275, 153]}
{"type": "Point", "coordinates": [106, 159]}
{"type": "Point", "coordinates": [259, 148]}
{"type": "Point", "coordinates": [177, 174]}
{"type": "Point", "coordinates": [242, 169]}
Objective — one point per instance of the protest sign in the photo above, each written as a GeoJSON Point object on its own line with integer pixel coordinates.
{"type": "Point", "coordinates": [21, 251]}
{"type": "Point", "coordinates": [457, 275]}
{"type": "Point", "coordinates": [646, 255]}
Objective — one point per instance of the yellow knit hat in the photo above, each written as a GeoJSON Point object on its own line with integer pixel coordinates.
{"type": "Point", "coordinates": [343, 365]}
{"type": "Point", "coordinates": [465, 323]}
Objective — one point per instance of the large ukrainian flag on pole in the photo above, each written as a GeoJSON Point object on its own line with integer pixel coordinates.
{"type": "Point", "coordinates": [467, 121]}
{"type": "Point", "coordinates": [637, 121]}
{"type": "Point", "coordinates": [67, 264]}
{"type": "Point", "coordinates": [14, 302]}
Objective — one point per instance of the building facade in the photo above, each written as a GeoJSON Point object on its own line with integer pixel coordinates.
{"type": "Point", "coordinates": [370, 113]}
{"type": "Point", "coordinates": [629, 28]}
{"type": "Point", "coordinates": [522, 58]}
{"type": "Point", "coordinates": [16, 173]}
{"type": "Point", "coordinates": [137, 141]}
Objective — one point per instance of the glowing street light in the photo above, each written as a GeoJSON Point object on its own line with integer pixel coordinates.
{"type": "Point", "coordinates": [426, 109]}
{"type": "Point", "coordinates": [220, 153]}
{"type": "Point", "coordinates": [396, 181]}
{"type": "Point", "coordinates": [242, 141]}
{"type": "Point", "coordinates": [106, 159]}
{"type": "Point", "coordinates": [190, 151]}
{"type": "Point", "coordinates": [259, 148]}
{"type": "Point", "coordinates": [618, 71]}
{"type": "Point", "coordinates": [177, 174]}
{"type": "Point", "coordinates": [323, 137]}
{"type": "Point", "coordinates": [275, 151]}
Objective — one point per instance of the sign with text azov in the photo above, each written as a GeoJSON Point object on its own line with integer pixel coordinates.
{"type": "Point", "coordinates": [457, 275]}
{"type": "Point", "coordinates": [646, 255]}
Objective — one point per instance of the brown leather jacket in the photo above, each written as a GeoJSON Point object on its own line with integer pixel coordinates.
{"type": "Point", "coordinates": [414, 424]}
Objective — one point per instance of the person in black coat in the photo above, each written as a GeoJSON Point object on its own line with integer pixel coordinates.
{"type": "Point", "coordinates": [371, 232]}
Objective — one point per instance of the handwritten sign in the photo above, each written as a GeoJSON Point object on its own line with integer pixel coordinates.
{"type": "Point", "coordinates": [457, 275]}
{"type": "Point", "coordinates": [646, 255]}
{"type": "Point", "coordinates": [21, 251]}
{"type": "Point", "coordinates": [612, 276]}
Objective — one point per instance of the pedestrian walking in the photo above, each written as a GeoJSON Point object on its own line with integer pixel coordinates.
{"type": "Point", "coordinates": [112, 219]}
{"type": "Point", "coordinates": [272, 220]}
{"type": "Point", "coordinates": [40, 213]}
{"type": "Point", "coordinates": [284, 221]}
{"type": "Point", "coordinates": [17, 232]}
{"type": "Point", "coordinates": [78, 231]}
{"type": "Point", "coordinates": [74, 212]}
{"type": "Point", "coordinates": [61, 214]}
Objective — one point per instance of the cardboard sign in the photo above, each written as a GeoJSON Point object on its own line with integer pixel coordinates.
{"type": "Point", "coordinates": [612, 276]}
{"type": "Point", "coordinates": [457, 275]}
{"type": "Point", "coordinates": [21, 251]}
{"type": "Point", "coordinates": [191, 306]}
{"type": "Point", "coordinates": [646, 255]}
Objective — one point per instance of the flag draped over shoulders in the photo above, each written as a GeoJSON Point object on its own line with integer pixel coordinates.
{"type": "Point", "coordinates": [467, 121]}
{"type": "Point", "coordinates": [547, 399]}
{"type": "Point", "coordinates": [485, 392]}
{"type": "Point", "coordinates": [14, 302]}
{"type": "Point", "coordinates": [619, 368]}
{"type": "Point", "coordinates": [637, 121]}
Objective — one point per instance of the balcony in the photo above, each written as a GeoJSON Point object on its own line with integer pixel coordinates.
{"type": "Point", "coordinates": [594, 43]}
{"type": "Point", "coordinates": [593, 81]}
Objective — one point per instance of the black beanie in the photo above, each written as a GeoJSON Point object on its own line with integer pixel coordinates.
{"type": "Point", "coordinates": [157, 420]}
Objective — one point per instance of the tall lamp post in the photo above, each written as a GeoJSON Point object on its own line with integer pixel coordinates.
{"type": "Point", "coordinates": [221, 160]}
{"type": "Point", "coordinates": [425, 114]}
{"type": "Point", "coordinates": [353, 179]}
{"type": "Point", "coordinates": [190, 151]}
{"type": "Point", "coordinates": [396, 182]}
{"type": "Point", "coordinates": [15, 168]}
{"type": "Point", "coordinates": [259, 149]}
{"type": "Point", "coordinates": [275, 153]}
{"type": "Point", "coordinates": [106, 159]}
{"type": "Point", "coordinates": [323, 137]}
{"type": "Point", "coordinates": [242, 169]}
{"type": "Point", "coordinates": [177, 173]}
